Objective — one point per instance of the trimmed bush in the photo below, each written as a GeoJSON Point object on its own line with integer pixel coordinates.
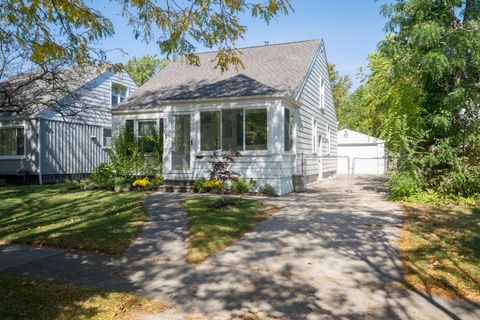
{"type": "Point", "coordinates": [241, 185]}
{"type": "Point", "coordinates": [268, 190]}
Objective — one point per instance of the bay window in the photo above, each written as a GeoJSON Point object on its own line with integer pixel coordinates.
{"type": "Point", "coordinates": [233, 129]}
{"type": "Point", "coordinates": [12, 141]}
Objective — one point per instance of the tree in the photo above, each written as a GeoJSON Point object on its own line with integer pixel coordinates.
{"type": "Point", "coordinates": [422, 92]}
{"type": "Point", "coordinates": [43, 36]}
{"type": "Point", "coordinates": [142, 69]}
{"type": "Point", "coordinates": [340, 85]}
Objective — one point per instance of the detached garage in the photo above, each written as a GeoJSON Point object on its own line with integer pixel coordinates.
{"type": "Point", "coordinates": [366, 151]}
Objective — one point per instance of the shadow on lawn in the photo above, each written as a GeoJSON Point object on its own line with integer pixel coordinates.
{"type": "Point", "coordinates": [57, 216]}
{"type": "Point", "coordinates": [328, 254]}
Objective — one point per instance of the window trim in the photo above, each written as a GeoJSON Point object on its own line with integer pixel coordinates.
{"type": "Point", "coordinates": [24, 155]}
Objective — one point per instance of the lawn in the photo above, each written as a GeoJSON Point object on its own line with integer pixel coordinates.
{"type": "Point", "coordinates": [64, 217]}
{"type": "Point", "coordinates": [212, 229]}
{"type": "Point", "coordinates": [441, 250]}
{"type": "Point", "coordinates": [33, 299]}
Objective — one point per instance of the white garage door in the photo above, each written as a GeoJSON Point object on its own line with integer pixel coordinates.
{"type": "Point", "coordinates": [362, 166]}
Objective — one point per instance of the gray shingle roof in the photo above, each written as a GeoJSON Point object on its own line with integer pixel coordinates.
{"type": "Point", "coordinates": [268, 70]}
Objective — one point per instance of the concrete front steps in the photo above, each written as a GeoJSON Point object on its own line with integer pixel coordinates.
{"type": "Point", "coordinates": [178, 186]}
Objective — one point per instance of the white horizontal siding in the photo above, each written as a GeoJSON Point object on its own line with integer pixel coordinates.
{"type": "Point", "coordinates": [310, 111]}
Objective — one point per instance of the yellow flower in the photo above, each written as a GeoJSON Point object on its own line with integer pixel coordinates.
{"type": "Point", "coordinates": [141, 183]}
{"type": "Point", "coordinates": [212, 184]}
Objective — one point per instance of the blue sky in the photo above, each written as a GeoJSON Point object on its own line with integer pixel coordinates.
{"type": "Point", "coordinates": [351, 30]}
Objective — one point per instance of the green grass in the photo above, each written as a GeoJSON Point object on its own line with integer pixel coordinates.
{"type": "Point", "coordinates": [33, 299]}
{"type": "Point", "coordinates": [441, 250]}
{"type": "Point", "coordinates": [211, 230]}
{"type": "Point", "coordinates": [63, 217]}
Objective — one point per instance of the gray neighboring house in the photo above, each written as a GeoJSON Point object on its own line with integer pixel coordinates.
{"type": "Point", "coordinates": [277, 111]}
{"type": "Point", "coordinates": [46, 147]}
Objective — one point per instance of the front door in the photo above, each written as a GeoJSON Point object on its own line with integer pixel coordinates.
{"type": "Point", "coordinates": [181, 143]}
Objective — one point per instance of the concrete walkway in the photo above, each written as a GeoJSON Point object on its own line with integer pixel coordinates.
{"type": "Point", "coordinates": [328, 254]}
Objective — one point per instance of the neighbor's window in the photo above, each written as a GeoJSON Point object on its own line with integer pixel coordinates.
{"type": "Point", "coordinates": [256, 129]}
{"type": "Point", "coordinates": [147, 136]}
{"type": "Point", "coordinates": [119, 93]}
{"type": "Point", "coordinates": [210, 130]}
{"type": "Point", "coordinates": [232, 129]}
{"type": "Point", "coordinates": [12, 141]}
{"type": "Point", "coordinates": [107, 137]}
{"type": "Point", "coordinates": [288, 127]}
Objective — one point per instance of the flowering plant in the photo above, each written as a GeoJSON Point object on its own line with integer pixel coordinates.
{"type": "Point", "coordinates": [141, 183]}
{"type": "Point", "coordinates": [212, 184]}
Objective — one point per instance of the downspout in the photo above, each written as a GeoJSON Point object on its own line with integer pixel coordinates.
{"type": "Point", "coordinates": [39, 149]}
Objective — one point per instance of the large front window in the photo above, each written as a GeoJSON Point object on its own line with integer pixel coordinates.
{"type": "Point", "coordinates": [119, 93]}
{"type": "Point", "coordinates": [12, 141]}
{"type": "Point", "coordinates": [233, 129]}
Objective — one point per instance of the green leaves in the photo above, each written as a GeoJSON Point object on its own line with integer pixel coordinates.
{"type": "Point", "coordinates": [143, 68]}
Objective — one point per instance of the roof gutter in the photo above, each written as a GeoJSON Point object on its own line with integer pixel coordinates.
{"type": "Point", "coordinates": [189, 102]}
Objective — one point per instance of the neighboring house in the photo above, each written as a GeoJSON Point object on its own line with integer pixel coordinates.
{"type": "Point", "coordinates": [277, 112]}
{"type": "Point", "coordinates": [44, 145]}
{"type": "Point", "coordinates": [366, 153]}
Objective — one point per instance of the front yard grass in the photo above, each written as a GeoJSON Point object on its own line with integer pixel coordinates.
{"type": "Point", "coordinates": [212, 229]}
{"type": "Point", "coordinates": [64, 217]}
{"type": "Point", "coordinates": [441, 250]}
{"type": "Point", "coordinates": [34, 299]}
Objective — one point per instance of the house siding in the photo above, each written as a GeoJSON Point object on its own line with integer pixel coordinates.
{"type": "Point", "coordinates": [70, 147]}
{"type": "Point", "coordinates": [308, 163]}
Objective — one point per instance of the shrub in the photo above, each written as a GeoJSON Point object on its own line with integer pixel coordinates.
{"type": "Point", "coordinates": [103, 176]}
{"type": "Point", "coordinates": [87, 184]}
{"type": "Point", "coordinates": [268, 190]}
{"type": "Point", "coordinates": [403, 184]}
{"type": "Point", "coordinates": [122, 184]}
{"type": "Point", "coordinates": [241, 185]}
{"type": "Point", "coordinates": [127, 159]}
{"type": "Point", "coordinates": [3, 183]}
{"type": "Point", "coordinates": [198, 185]}
{"type": "Point", "coordinates": [213, 185]}
{"type": "Point", "coordinates": [155, 182]}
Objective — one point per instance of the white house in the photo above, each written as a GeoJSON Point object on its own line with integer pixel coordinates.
{"type": "Point", "coordinates": [366, 153]}
{"type": "Point", "coordinates": [277, 112]}
{"type": "Point", "coordinates": [44, 145]}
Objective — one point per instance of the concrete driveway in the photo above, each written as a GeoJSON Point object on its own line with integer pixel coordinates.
{"type": "Point", "coordinates": [327, 254]}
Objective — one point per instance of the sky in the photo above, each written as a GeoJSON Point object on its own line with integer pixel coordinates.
{"type": "Point", "coordinates": [351, 30]}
